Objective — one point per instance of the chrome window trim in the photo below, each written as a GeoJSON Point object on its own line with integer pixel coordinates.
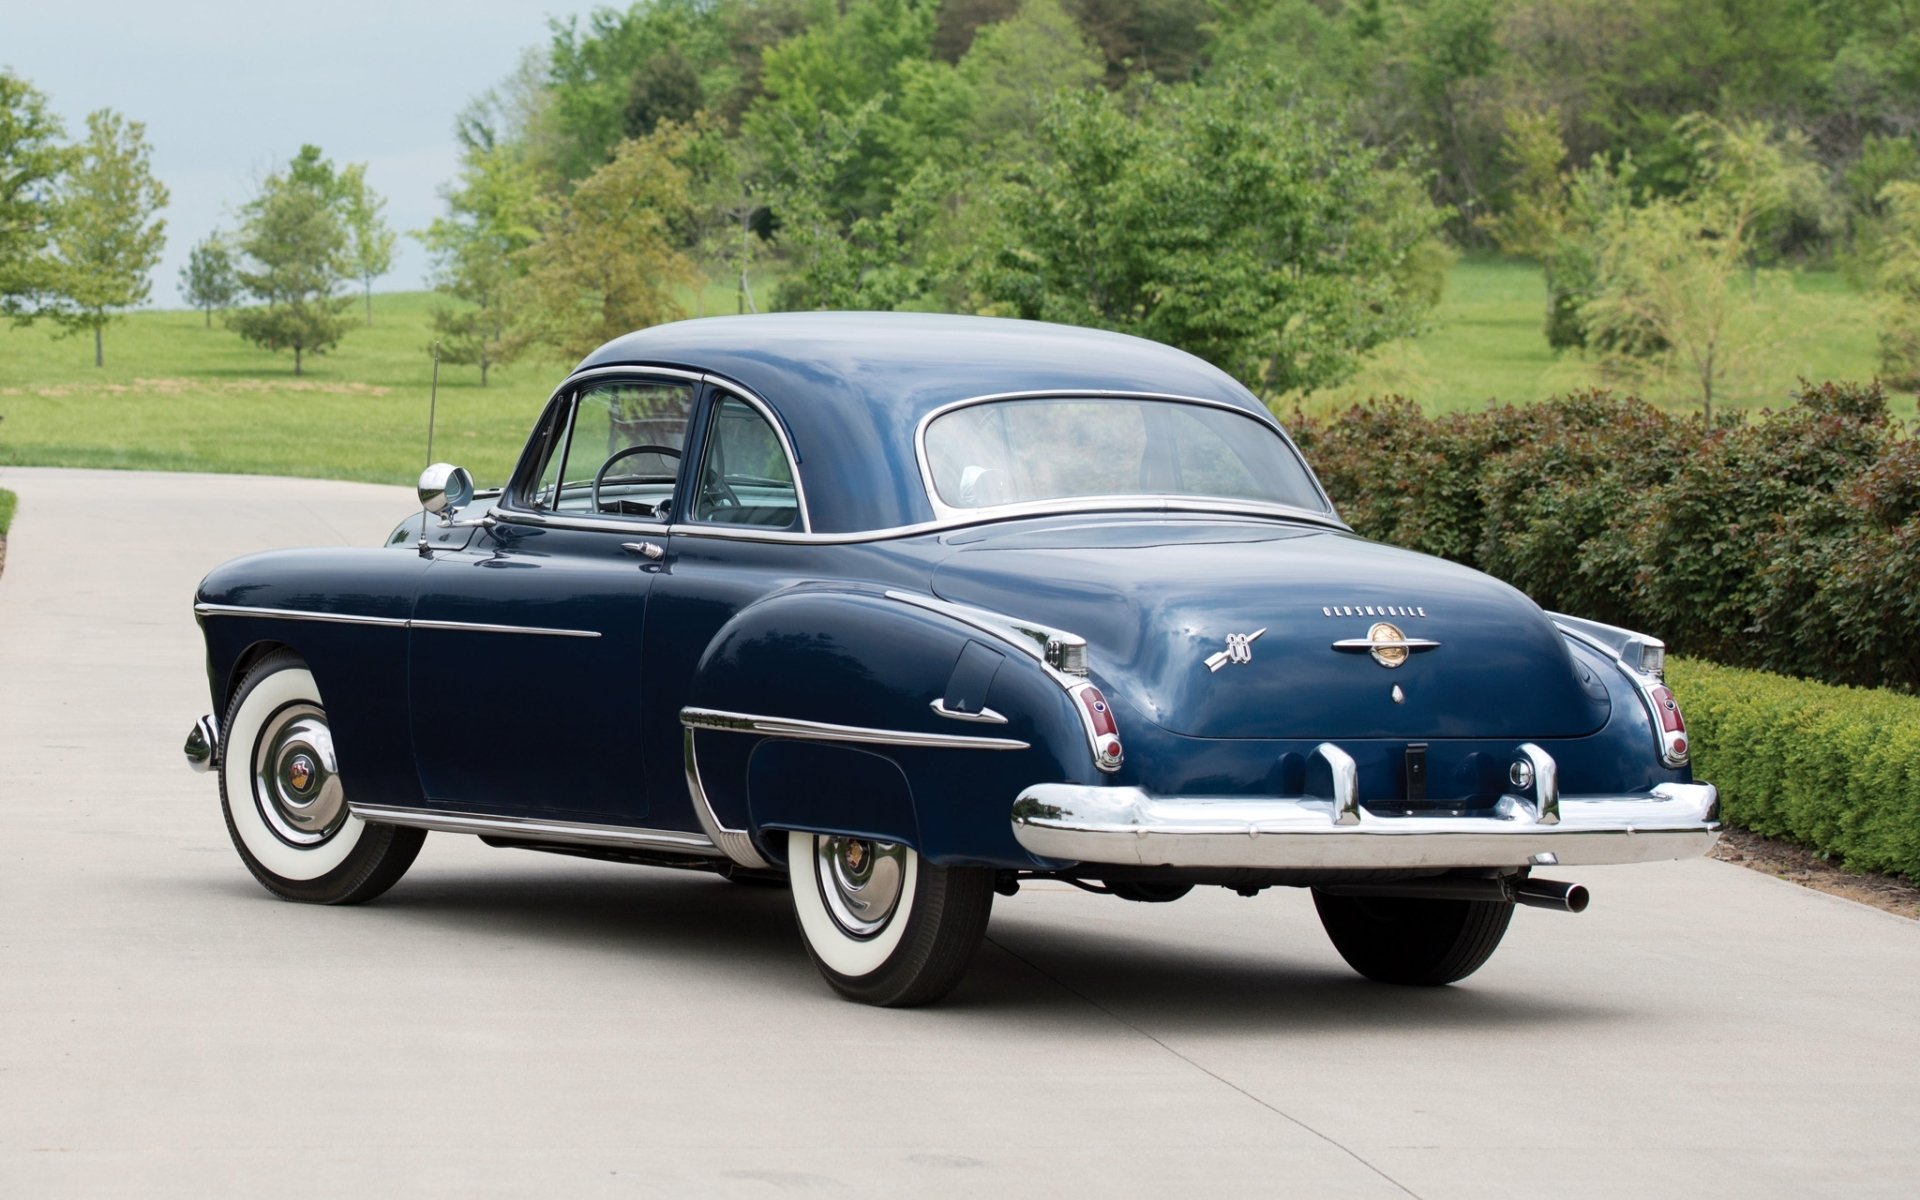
{"type": "Point", "coordinates": [301, 614]}
{"type": "Point", "coordinates": [821, 731]}
{"type": "Point", "coordinates": [539, 829]}
{"type": "Point", "coordinates": [506, 510]}
{"type": "Point", "coordinates": [944, 511]}
{"type": "Point", "coordinates": [1103, 506]}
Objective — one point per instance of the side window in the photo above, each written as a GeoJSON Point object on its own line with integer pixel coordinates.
{"type": "Point", "coordinates": [745, 478]}
{"type": "Point", "coordinates": [553, 443]}
{"type": "Point", "coordinates": [621, 451]}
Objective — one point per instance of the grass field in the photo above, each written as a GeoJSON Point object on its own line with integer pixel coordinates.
{"type": "Point", "coordinates": [177, 396]}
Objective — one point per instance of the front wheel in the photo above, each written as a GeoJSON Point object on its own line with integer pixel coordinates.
{"type": "Point", "coordinates": [884, 925]}
{"type": "Point", "coordinates": [1425, 943]}
{"type": "Point", "coordinates": [285, 806]}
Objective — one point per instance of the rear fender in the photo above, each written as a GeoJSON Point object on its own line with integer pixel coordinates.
{"type": "Point", "coordinates": [848, 741]}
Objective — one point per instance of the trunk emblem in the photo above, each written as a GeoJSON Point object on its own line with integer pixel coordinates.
{"type": "Point", "coordinates": [1239, 650]}
{"type": "Point", "coordinates": [1389, 647]}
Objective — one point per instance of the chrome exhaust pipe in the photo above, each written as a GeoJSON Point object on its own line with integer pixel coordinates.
{"type": "Point", "coordinates": [1549, 893]}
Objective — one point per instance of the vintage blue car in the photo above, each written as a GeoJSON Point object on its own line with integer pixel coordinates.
{"type": "Point", "coordinates": [904, 610]}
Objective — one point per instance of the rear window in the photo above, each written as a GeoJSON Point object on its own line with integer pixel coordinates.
{"type": "Point", "coordinates": [1020, 451]}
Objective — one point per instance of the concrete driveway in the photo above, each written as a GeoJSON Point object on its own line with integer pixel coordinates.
{"type": "Point", "coordinates": [507, 1023]}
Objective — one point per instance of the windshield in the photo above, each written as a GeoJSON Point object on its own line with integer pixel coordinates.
{"type": "Point", "coordinates": [1015, 451]}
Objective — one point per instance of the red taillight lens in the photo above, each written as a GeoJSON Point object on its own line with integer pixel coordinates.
{"type": "Point", "coordinates": [1673, 726]}
{"type": "Point", "coordinates": [1102, 729]}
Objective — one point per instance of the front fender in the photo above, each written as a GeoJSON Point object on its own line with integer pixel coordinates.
{"type": "Point", "coordinates": [813, 710]}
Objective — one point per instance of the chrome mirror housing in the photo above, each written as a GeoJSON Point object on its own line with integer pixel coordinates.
{"type": "Point", "coordinates": [445, 488]}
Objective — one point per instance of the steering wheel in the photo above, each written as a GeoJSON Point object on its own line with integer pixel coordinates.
{"type": "Point", "coordinates": [628, 452]}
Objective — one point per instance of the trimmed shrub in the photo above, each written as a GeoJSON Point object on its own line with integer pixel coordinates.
{"type": "Point", "coordinates": [1834, 768]}
{"type": "Point", "coordinates": [1789, 544]}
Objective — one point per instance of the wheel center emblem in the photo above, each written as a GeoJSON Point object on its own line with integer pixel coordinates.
{"type": "Point", "coordinates": [1239, 650]}
{"type": "Point", "coordinates": [856, 854]}
{"type": "Point", "coordinates": [300, 773]}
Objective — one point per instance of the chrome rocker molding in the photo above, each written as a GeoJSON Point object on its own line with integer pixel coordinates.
{"type": "Point", "coordinates": [736, 844]}
{"type": "Point", "coordinates": [819, 731]}
{"type": "Point", "coordinates": [1129, 826]}
{"type": "Point", "coordinates": [540, 829]}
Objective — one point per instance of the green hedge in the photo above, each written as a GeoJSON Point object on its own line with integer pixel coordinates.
{"type": "Point", "coordinates": [1834, 768]}
{"type": "Point", "coordinates": [6, 510]}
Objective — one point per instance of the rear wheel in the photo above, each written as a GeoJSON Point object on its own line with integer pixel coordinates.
{"type": "Point", "coordinates": [883, 925]}
{"type": "Point", "coordinates": [1424, 943]}
{"type": "Point", "coordinates": [285, 806]}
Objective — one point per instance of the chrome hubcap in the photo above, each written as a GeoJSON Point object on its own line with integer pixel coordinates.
{"type": "Point", "coordinates": [861, 881]}
{"type": "Point", "coordinates": [295, 783]}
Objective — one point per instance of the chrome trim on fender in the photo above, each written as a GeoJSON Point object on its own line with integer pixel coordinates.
{"type": "Point", "coordinates": [736, 844]}
{"type": "Point", "coordinates": [539, 829]}
{"type": "Point", "coordinates": [1628, 650]}
{"type": "Point", "coordinates": [297, 614]}
{"type": "Point", "coordinates": [985, 716]}
{"type": "Point", "coordinates": [203, 744]}
{"type": "Point", "coordinates": [820, 731]}
{"type": "Point", "coordinates": [1042, 643]}
{"type": "Point", "coordinates": [480, 627]}
{"type": "Point", "coordinates": [1126, 825]}
{"type": "Point", "coordinates": [300, 614]}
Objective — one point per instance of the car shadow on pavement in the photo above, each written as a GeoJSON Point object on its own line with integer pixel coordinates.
{"type": "Point", "coordinates": [1030, 967]}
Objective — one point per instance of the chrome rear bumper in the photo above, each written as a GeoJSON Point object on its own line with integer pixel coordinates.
{"type": "Point", "coordinates": [1128, 826]}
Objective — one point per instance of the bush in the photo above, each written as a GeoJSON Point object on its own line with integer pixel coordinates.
{"type": "Point", "coordinates": [1790, 544]}
{"type": "Point", "coordinates": [1837, 769]}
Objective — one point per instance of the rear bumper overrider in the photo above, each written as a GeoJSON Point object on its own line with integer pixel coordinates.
{"type": "Point", "coordinates": [1131, 827]}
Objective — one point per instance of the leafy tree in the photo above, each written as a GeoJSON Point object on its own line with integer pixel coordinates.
{"type": "Point", "coordinates": [609, 262]}
{"type": "Point", "coordinates": [208, 281]}
{"type": "Point", "coordinates": [31, 159]}
{"type": "Point", "coordinates": [296, 258]}
{"type": "Point", "coordinates": [1898, 278]}
{"type": "Point", "coordinates": [369, 241]}
{"type": "Point", "coordinates": [493, 215]}
{"type": "Point", "coordinates": [107, 235]}
{"type": "Point", "coordinates": [1229, 220]}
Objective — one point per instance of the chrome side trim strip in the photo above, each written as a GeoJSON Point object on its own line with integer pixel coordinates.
{"type": "Point", "coordinates": [539, 829]}
{"type": "Point", "coordinates": [297, 614]}
{"type": "Point", "coordinates": [1029, 637]}
{"type": "Point", "coordinates": [1405, 643]}
{"type": "Point", "coordinates": [985, 716]}
{"type": "Point", "coordinates": [820, 731]}
{"type": "Point", "coordinates": [737, 844]}
{"type": "Point", "coordinates": [479, 627]}
{"type": "Point", "coordinates": [301, 614]}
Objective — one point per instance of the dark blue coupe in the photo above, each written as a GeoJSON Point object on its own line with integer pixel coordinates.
{"type": "Point", "coordinates": [904, 610]}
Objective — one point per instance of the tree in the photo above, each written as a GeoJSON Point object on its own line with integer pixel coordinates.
{"type": "Point", "coordinates": [492, 216]}
{"type": "Point", "coordinates": [31, 159]}
{"type": "Point", "coordinates": [1229, 220]}
{"type": "Point", "coordinates": [296, 248]}
{"type": "Point", "coordinates": [369, 240]}
{"type": "Point", "coordinates": [1898, 279]}
{"type": "Point", "coordinates": [208, 281]}
{"type": "Point", "coordinates": [609, 262]}
{"type": "Point", "coordinates": [107, 235]}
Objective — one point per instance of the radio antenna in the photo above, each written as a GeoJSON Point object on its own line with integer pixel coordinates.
{"type": "Point", "coordinates": [433, 411]}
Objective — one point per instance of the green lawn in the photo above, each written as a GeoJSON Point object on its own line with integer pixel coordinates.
{"type": "Point", "coordinates": [177, 396]}
{"type": "Point", "coordinates": [1487, 344]}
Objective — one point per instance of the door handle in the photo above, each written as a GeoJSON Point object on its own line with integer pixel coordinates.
{"type": "Point", "coordinates": [650, 550]}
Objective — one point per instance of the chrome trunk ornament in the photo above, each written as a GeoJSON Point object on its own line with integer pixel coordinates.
{"type": "Point", "coordinates": [1239, 650]}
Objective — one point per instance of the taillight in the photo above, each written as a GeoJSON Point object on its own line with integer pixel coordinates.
{"type": "Point", "coordinates": [1103, 732]}
{"type": "Point", "coordinates": [1673, 726]}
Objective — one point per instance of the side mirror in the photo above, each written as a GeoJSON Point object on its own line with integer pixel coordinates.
{"type": "Point", "coordinates": [445, 488]}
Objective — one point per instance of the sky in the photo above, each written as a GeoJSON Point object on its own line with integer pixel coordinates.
{"type": "Point", "coordinates": [229, 90]}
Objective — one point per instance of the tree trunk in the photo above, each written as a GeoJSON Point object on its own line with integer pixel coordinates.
{"type": "Point", "coordinates": [369, 302]}
{"type": "Point", "coordinates": [483, 372]}
{"type": "Point", "coordinates": [296, 360]}
{"type": "Point", "coordinates": [209, 312]}
{"type": "Point", "coordinates": [99, 358]}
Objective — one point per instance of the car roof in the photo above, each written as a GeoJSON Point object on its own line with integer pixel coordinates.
{"type": "Point", "coordinates": [851, 388]}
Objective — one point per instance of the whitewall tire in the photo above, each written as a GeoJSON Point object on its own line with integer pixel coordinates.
{"type": "Point", "coordinates": [883, 925]}
{"type": "Point", "coordinates": [285, 803]}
